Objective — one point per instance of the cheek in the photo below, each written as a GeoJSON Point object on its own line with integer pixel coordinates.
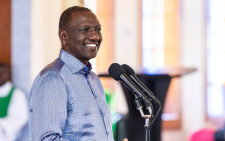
{"type": "Point", "coordinates": [76, 45]}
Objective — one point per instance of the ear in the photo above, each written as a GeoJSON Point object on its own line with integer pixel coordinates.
{"type": "Point", "coordinates": [63, 36]}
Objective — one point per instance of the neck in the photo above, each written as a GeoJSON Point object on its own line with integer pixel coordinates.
{"type": "Point", "coordinates": [85, 62]}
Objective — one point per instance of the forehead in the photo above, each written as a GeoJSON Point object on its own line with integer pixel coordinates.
{"type": "Point", "coordinates": [87, 17]}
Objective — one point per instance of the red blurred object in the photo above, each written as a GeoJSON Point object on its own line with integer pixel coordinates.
{"type": "Point", "coordinates": [205, 134]}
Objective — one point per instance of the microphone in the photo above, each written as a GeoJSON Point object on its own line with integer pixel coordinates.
{"type": "Point", "coordinates": [130, 72]}
{"type": "Point", "coordinates": [119, 74]}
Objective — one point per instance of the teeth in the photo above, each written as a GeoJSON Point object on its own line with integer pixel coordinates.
{"type": "Point", "coordinates": [91, 45]}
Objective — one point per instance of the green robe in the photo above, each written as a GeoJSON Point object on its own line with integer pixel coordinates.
{"type": "Point", "coordinates": [4, 104]}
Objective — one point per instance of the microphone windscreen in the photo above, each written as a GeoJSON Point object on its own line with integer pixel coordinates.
{"type": "Point", "coordinates": [128, 69]}
{"type": "Point", "coordinates": [115, 70]}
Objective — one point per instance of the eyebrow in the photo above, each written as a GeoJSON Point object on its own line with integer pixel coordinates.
{"type": "Point", "coordinates": [88, 24]}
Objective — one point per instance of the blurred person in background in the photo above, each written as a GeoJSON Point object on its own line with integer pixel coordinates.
{"type": "Point", "coordinates": [13, 107]}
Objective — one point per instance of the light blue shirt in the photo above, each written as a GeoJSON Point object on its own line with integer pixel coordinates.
{"type": "Point", "coordinates": [67, 103]}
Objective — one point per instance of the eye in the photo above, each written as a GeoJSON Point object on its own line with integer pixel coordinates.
{"type": "Point", "coordinates": [98, 30]}
{"type": "Point", "coordinates": [84, 29]}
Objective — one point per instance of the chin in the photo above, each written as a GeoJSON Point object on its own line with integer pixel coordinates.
{"type": "Point", "coordinates": [93, 56]}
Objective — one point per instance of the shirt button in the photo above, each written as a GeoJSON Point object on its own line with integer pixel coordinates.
{"type": "Point", "coordinates": [107, 133]}
{"type": "Point", "coordinates": [95, 96]}
{"type": "Point", "coordinates": [31, 110]}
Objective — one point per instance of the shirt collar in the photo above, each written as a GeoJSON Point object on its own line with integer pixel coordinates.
{"type": "Point", "coordinates": [73, 63]}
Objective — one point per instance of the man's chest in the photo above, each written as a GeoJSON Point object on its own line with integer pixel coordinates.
{"type": "Point", "coordinates": [84, 95]}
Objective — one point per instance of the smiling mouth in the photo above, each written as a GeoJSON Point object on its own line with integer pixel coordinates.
{"type": "Point", "coordinates": [91, 45]}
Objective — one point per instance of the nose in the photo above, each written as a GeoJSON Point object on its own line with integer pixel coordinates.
{"type": "Point", "coordinates": [93, 35]}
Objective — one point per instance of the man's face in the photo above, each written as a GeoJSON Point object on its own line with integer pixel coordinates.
{"type": "Point", "coordinates": [4, 76]}
{"type": "Point", "coordinates": [83, 36]}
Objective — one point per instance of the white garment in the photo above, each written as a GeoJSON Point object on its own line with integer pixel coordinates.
{"type": "Point", "coordinates": [17, 115]}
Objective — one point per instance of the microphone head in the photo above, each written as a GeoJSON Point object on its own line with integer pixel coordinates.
{"type": "Point", "coordinates": [115, 70]}
{"type": "Point", "coordinates": [128, 69]}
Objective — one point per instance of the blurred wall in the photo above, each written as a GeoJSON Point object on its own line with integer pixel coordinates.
{"type": "Point", "coordinates": [127, 34]}
{"type": "Point", "coordinates": [193, 54]}
{"type": "Point", "coordinates": [45, 44]}
{"type": "Point", "coordinates": [20, 50]}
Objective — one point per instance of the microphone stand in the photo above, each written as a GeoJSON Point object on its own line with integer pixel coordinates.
{"type": "Point", "coordinates": [148, 118]}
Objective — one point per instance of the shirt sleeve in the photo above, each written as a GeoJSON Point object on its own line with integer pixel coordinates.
{"type": "Point", "coordinates": [17, 115]}
{"type": "Point", "coordinates": [48, 108]}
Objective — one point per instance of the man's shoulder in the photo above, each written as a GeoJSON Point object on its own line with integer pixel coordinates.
{"type": "Point", "coordinates": [49, 73]}
{"type": "Point", "coordinates": [94, 75]}
{"type": "Point", "coordinates": [54, 67]}
{"type": "Point", "coordinates": [49, 76]}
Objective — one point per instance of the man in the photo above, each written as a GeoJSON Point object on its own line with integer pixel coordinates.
{"type": "Point", "coordinates": [13, 107]}
{"type": "Point", "coordinates": [67, 101]}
